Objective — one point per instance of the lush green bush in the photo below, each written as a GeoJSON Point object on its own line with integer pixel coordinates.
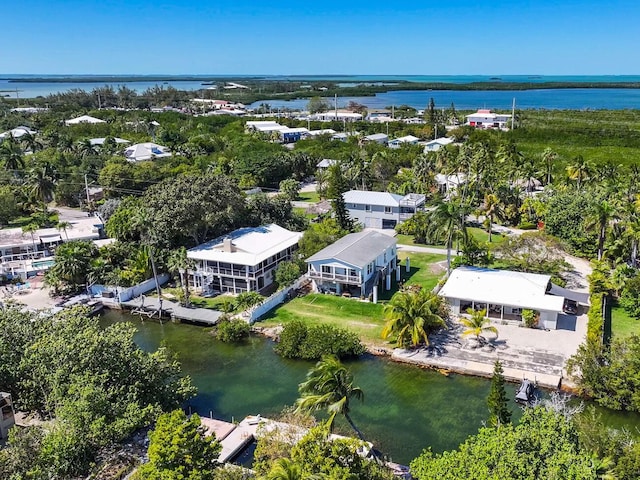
{"type": "Point", "coordinates": [630, 298]}
{"type": "Point", "coordinates": [530, 318]}
{"type": "Point", "coordinates": [527, 226]}
{"type": "Point", "coordinates": [298, 340]}
{"type": "Point", "coordinates": [231, 331]}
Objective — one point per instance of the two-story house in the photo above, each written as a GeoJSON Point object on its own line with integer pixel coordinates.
{"type": "Point", "coordinates": [242, 261]}
{"type": "Point", "coordinates": [382, 209]}
{"type": "Point", "coordinates": [355, 265]}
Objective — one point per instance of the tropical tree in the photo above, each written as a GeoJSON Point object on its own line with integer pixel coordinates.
{"type": "Point", "coordinates": [12, 155]}
{"type": "Point", "coordinates": [549, 157]}
{"type": "Point", "coordinates": [492, 208]}
{"type": "Point", "coordinates": [412, 316]}
{"type": "Point", "coordinates": [499, 413]}
{"type": "Point", "coordinates": [30, 143]}
{"type": "Point", "coordinates": [31, 228]}
{"type": "Point", "coordinates": [600, 218]}
{"type": "Point", "coordinates": [477, 324]}
{"type": "Point", "coordinates": [285, 469]}
{"type": "Point", "coordinates": [64, 226]}
{"type": "Point", "coordinates": [579, 171]}
{"type": "Point", "coordinates": [329, 386]}
{"type": "Point", "coordinates": [448, 219]}
{"type": "Point", "coordinates": [73, 262]}
{"type": "Point", "coordinates": [42, 185]}
{"type": "Point", "coordinates": [180, 263]}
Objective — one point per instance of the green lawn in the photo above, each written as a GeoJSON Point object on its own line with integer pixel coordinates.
{"type": "Point", "coordinates": [623, 325]}
{"type": "Point", "coordinates": [363, 318]}
{"type": "Point", "coordinates": [311, 197]}
{"type": "Point", "coordinates": [478, 233]}
{"type": "Point", "coordinates": [303, 211]}
{"type": "Point", "coordinates": [423, 271]}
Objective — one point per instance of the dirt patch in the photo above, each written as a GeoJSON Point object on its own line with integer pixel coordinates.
{"type": "Point", "coordinates": [360, 324]}
{"type": "Point", "coordinates": [438, 267]}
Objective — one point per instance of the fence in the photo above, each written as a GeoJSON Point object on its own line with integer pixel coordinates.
{"type": "Point", "coordinates": [273, 301]}
{"type": "Point", "coordinates": [126, 294]}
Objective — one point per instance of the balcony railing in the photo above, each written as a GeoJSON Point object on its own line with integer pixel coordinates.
{"type": "Point", "coordinates": [353, 279]}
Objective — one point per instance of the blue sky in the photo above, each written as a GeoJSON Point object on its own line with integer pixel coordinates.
{"type": "Point", "coordinates": [444, 37]}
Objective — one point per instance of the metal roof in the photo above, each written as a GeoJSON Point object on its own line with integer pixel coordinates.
{"type": "Point", "coordinates": [362, 197]}
{"type": "Point", "coordinates": [357, 249]}
{"type": "Point", "coordinates": [502, 287]}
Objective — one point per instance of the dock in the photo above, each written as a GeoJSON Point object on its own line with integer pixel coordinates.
{"type": "Point", "coordinates": [151, 305]}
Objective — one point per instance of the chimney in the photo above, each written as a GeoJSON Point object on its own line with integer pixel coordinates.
{"type": "Point", "coordinates": [227, 245]}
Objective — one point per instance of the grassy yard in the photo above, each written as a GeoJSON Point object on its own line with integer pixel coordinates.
{"type": "Point", "coordinates": [623, 325]}
{"type": "Point", "coordinates": [363, 318]}
{"type": "Point", "coordinates": [478, 233]}
{"type": "Point", "coordinates": [303, 211]}
{"type": "Point", "coordinates": [311, 197]}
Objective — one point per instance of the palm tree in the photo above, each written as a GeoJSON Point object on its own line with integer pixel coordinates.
{"type": "Point", "coordinates": [285, 469]}
{"type": "Point", "coordinates": [477, 323]}
{"type": "Point", "coordinates": [329, 386]}
{"type": "Point", "coordinates": [12, 155]}
{"type": "Point", "coordinates": [600, 218]}
{"type": "Point", "coordinates": [411, 316]}
{"type": "Point", "coordinates": [179, 262]}
{"type": "Point", "coordinates": [549, 157]}
{"type": "Point", "coordinates": [30, 142]}
{"type": "Point", "coordinates": [448, 219]}
{"type": "Point", "coordinates": [64, 226]}
{"type": "Point", "coordinates": [579, 170]}
{"type": "Point", "coordinates": [84, 148]}
{"type": "Point", "coordinates": [31, 228]}
{"type": "Point", "coordinates": [42, 185]}
{"type": "Point", "coordinates": [492, 208]}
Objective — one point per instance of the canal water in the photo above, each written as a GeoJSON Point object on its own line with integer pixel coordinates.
{"type": "Point", "coordinates": [405, 408]}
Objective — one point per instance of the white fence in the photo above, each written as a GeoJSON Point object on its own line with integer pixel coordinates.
{"type": "Point", "coordinates": [126, 294]}
{"type": "Point", "coordinates": [273, 301]}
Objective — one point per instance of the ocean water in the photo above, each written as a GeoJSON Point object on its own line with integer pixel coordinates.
{"type": "Point", "coordinates": [579, 98]}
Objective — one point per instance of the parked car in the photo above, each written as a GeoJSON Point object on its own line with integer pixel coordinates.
{"type": "Point", "coordinates": [570, 307]}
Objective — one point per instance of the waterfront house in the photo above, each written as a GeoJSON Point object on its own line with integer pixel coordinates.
{"type": "Point", "coordinates": [379, 115]}
{"type": "Point", "coordinates": [485, 118]}
{"type": "Point", "coordinates": [503, 294]}
{"type": "Point", "coordinates": [437, 144]}
{"type": "Point", "coordinates": [243, 260]}
{"type": "Point", "coordinates": [141, 152]}
{"type": "Point", "coordinates": [382, 209]}
{"type": "Point", "coordinates": [355, 265]}
{"type": "Point", "coordinates": [83, 119]}
{"type": "Point", "coordinates": [406, 140]}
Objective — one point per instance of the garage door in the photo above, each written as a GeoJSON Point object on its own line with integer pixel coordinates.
{"type": "Point", "coordinates": [372, 222]}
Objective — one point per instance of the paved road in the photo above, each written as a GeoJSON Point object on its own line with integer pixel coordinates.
{"type": "Point", "coordinates": [66, 214]}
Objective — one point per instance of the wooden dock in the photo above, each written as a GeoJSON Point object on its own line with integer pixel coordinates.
{"type": "Point", "coordinates": [150, 306]}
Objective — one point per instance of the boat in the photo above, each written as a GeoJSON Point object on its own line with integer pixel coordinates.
{"type": "Point", "coordinates": [526, 393]}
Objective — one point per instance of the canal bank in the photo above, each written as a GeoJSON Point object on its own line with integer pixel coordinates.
{"type": "Point", "coordinates": [406, 408]}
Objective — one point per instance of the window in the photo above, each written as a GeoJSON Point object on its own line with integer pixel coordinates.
{"type": "Point", "coordinates": [326, 269]}
{"type": "Point", "coordinates": [369, 268]}
{"type": "Point", "coordinates": [367, 208]}
{"type": "Point", "coordinates": [352, 272]}
{"type": "Point", "coordinates": [387, 209]}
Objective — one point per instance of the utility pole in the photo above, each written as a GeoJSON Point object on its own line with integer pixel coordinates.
{"type": "Point", "coordinates": [513, 114]}
{"type": "Point", "coordinates": [86, 188]}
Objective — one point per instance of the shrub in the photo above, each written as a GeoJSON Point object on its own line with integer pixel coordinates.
{"type": "Point", "coordinates": [231, 331]}
{"type": "Point", "coordinates": [527, 225]}
{"type": "Point", "coordinates": [298, 340]}
{"type": "Point", "coordinates": [630, 298]}
{"type": "Point", "coordinates": [530, 318]}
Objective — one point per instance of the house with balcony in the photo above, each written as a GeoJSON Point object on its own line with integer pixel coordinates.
{"type": "Point", "coordinates": [382, 209]}
{"type": "Point", "coordinates": [355, 265]}
{"type": "Point", "coordinates": [485, 118]}
{"type": "Point", "coordinates": [243, 260]}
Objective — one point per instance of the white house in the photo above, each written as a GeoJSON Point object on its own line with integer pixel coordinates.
{"type": "Point", "coordinates": [381, 209]}
{"type": "Point", "coordinates": [326, 163]}
{"type": "Point", "coordinates": [380, 138]}
{"type": "Point", "coordinates": [437, 144]}
{"type": "Point", "coordinates": [145, 151]}
{"type": "Point", "coordinates": [83, 119]}
{"type": "Point", "coordinates": [243, 260]}
{"type": "Point", "coordinates": [447, 184]}
{"type": "Point", "coordinates": [406, 140]}
{"type": "Point", "coordinates": [355, 265]}
{"type": "Point", "coordinates": [485, 118]}
{"type": "Point", "coordinates": [333, 115]}
{"type": "Point", "coordinates": [503, 294]}
{"type": "Point", "coordinates": [262, 125]}
{"type": "Point", "coordinates": [100, 141]}
{"type": "Point", "coordinates": [322, 131]}
{"type": "Point", "coordinates": [17, 132]}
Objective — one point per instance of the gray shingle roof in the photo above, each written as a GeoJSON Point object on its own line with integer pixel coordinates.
{"type": "Point", "coordinates": [357, 249]}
